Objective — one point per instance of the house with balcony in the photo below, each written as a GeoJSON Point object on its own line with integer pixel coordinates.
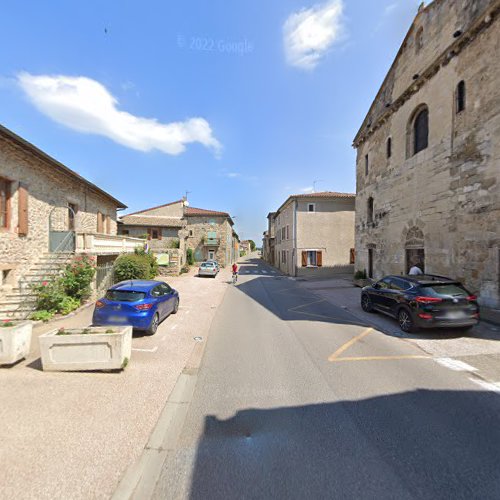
{"type": "Point", "coordinates": [315, 234]}
{"type": "Point", "coordinates": [178, 226]}
{"type": "Point", "coordinates": [48, 213]}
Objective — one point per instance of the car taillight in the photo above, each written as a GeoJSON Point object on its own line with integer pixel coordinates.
{"type": "Point", "coordinates": [428, 300]}
{"type": "Point", "coordinates": [425, 316]}
{"type": "Point", "coordinates": [99, 304]}
{"type": "Point", "coordinates": [471, 297]}
{"type": "Point", "coordinates": [143, 307]}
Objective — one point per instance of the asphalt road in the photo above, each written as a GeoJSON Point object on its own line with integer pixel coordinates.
{"type": "Point", "coordinates": [296, 398]}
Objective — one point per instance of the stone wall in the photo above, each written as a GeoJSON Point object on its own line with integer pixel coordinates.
{"type": "Point", "coordinates": [199, 226]}
{"type": "Point", "coordinates": [446, 198]}
{"type": "Point", "coordinates": [47, 188]}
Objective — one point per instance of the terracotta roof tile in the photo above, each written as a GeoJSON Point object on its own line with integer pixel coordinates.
{"type": "Point", "coordinates": [152, 220]}
{"type": "Point", "coordinates": [192, 211]}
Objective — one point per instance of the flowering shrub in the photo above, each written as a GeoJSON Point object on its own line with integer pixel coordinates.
{"type": "Point", "coordinates": [6, 323]}
{"type": "Point", "coordinates": [65, 293]}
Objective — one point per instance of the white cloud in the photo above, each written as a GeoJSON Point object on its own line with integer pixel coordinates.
{"type": "Point", "coordinates": [309, 33]}
{"type": "Point", "coordinates": [87, 106]}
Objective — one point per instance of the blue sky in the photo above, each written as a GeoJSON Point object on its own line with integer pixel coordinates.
{"type": "Point", "coordinates": [241, 103]}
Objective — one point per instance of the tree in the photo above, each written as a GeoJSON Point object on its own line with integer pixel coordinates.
{"type": "Point", "coordinates": [252, 245]}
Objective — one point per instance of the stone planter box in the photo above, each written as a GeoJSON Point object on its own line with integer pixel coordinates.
{"type": "Point", "coordinates": [15, 342]}
{"type": "Point", "coordinates": [77, 351]}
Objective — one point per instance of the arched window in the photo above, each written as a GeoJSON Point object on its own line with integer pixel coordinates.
{"type": "Point", "coordinates": [389, 147]}
{"type": "Point", "coordinates": [421, 130]}
{"type": "Point", "coordinates": [419, 40]}
{"type": "Point", "coordinates": [460, 96]}
{"type": "Point", "coordinates": [370, 209]}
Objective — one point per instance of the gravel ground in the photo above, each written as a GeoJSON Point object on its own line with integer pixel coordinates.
{"type": "Point", "coordinates": [72, 435]}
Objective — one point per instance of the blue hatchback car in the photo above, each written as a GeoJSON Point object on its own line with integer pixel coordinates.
{"type": "Point", "coordinates": [142, 304]}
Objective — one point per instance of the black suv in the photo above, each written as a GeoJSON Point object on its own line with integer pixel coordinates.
{"type": "Point", "coordinates": [423, 301]}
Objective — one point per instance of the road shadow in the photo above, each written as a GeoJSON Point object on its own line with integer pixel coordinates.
{"type": "Point", "coordinates": [290, 301]}
{"type": "Point", "coordinates": [419, 444]}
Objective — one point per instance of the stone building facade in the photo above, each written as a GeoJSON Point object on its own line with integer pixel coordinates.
{"type": "Point", "coordinates": [314, 234]}
{"type": "Point", "coordinates": [269, 240]}
{"type": "Point", "coordinates": [208, 233]}
{"type": "Point", "coordinates": [47, 209]}
{"type": "Point", "coordinates": [428, 152]}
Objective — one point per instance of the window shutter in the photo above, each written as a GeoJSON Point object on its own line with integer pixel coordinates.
{"type": "Point", "coordinates": [319, 259]}
{"type": "Point", "coordinates": [108, 224]}
{"type": "Point", "coordinates": [304, 259]}
{"type": "Point", "coordinates": [159, 233]}
{"type": "Point", "coordinates": [22, 229]}
{"type": "Point", "coordinates": [99, 222]}
{"type": "Point", "coordinates": [150, 233]}
{"type": "Point", "coordinates": [352, 257]}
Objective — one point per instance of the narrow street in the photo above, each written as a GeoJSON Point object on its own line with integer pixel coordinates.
{"type": "Point", "coordinates": [296, 398]}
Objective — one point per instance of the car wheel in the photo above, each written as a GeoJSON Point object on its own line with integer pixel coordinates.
{"type": "Point", "coordinates": [405, 321]}
{"type": "Point", "coordinates": [154, 325]}
{"type": "Point", "coordinates": [176, 307]}
{"type": "Point", "coordinates": [366, 303]}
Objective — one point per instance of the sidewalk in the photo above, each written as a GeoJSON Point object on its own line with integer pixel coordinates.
{"type": "Point", "coordinates": [482, 339]}
{"type": "Point", "coordinates": [72, 435]}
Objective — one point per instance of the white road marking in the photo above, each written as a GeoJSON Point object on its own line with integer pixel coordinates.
{"type": "Point", "coordinates": [455, 364]}
{"type": "Point", "coordinates": [154, 349]}
{"type": "Point", "coordinates": [264, 271]}
{"type": "Point", "coordinates": [489, 386]}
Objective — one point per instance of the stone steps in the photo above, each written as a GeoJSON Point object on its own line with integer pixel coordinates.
{"type": "Point", "coordinates": [20, 302]}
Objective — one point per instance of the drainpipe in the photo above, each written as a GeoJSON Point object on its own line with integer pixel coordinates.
{"type": "Point", "coordinates": [294, 251]}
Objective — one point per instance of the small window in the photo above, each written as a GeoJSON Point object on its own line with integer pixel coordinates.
{"type": "Point", "coordinates": [370, 209]}
{"type": "Point", "coordinates": [311, 207]}
{"type": "Point", "coordinates": [366, 165]}
{"type": "Point", "coordinates": [287, 232]}
{"type": "Point", "coordinates": [389, 147]}
{"type": "Point", "coordinates": [419, 40]}
{"type": "Point", "coordinates": [154, 233]}
{"type": "Point", "coordinates": [124, 232]}
{"type": "Point", "coordinates": [460, 96]}
{"type": "Point", "coordinates": [421, 131]}
{"type": "Point", "coordinates": [72, 209]}
{"type": "Point", "coordinates": [190, 232]}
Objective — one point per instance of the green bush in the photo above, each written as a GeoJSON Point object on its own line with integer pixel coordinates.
{"type": "Point", "coordinates": [175, 244]}
{"type": "Point", "coordinates": [150, 258]}
{"type": "Point", "coordinates": [68, 304]}
{"type": "Point", "coordinates": [77, 278]}
{"type": "Point", "coordinates": [131, 267]}
{"type": "Point", "coordinates": [360, 275]}
{"type": "Point", "coordinates": [42, 316]}
{"type": "Point", "coordinates": [190, 256]}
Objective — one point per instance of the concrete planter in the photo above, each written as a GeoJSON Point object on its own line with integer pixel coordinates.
{"type": "Point", "coordinates": [77, 351]}
{"type": "Point", "coordinates": [15, 342]}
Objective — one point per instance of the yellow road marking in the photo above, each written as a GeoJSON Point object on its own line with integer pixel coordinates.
{"type": "Point", "coordinates": [348, 344]}
{"type": "Point", "coordinates": [379, 358]}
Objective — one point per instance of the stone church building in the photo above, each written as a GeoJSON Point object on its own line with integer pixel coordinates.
{"type": "Point", "coordinates": [428, 152]}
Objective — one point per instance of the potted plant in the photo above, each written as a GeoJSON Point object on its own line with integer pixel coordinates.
{"type": "Point", "coordinates": [91, 348]}
{"type": "Point", "coordinates": [15, 340]}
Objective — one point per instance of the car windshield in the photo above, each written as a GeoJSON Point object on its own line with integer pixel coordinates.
{"type": "Point", "coordinates": [125, 295]}
{"type": "Point", "coordinates": [450, 289]}
{"type": "Point", "coordinates": [207, 264]}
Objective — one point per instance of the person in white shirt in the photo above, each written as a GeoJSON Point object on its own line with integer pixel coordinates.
{"type": "Point", "coordinates": [415, 269]}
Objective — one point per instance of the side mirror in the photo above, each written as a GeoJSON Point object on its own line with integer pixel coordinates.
{"type": "Point", "coordinates": [376, 286]}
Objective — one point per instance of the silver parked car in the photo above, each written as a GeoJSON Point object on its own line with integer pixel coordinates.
{"type": "Point", "coordinates": [208, 269]}
{"type": "Point", "coordinates": [214, 262]}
